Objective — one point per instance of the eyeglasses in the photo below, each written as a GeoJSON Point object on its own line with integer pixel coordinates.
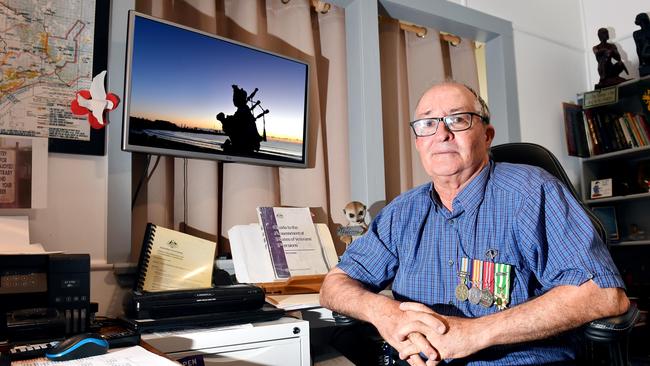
{"type": "Point", "coordinates": [455, 122]}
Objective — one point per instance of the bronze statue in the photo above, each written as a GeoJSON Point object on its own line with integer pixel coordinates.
{"type": "Point", "coordinates": [642, 41]}
{"type": "Point", "coordinates": [609, 61]}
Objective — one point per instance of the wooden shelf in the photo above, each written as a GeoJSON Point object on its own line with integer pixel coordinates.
{"type": "Point", "coordinates": [629, 197]}
{"type": "Point", "coordinates": [628, 153]}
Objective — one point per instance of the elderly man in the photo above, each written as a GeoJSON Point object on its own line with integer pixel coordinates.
{"type": "Point", "coordinates": [490, 263]}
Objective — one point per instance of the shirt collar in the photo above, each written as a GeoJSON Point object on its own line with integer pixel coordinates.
{"type": "Point", "coordinates": [471, 196]}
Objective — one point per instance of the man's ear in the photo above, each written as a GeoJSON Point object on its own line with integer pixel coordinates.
{"type": "Point", "coordinates": [489, 134]}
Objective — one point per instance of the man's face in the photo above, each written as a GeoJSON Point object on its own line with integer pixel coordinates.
{"type": "Point", "coordinates": [446, 153]}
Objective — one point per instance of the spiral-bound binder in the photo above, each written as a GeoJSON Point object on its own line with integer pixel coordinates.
{"type": "Point", "coordinates": [171, 260]}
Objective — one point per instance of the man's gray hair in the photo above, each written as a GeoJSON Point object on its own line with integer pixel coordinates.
{"type": "Point", "coordinates": [482, 105]}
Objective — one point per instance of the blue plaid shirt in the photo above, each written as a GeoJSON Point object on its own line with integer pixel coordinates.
{"type": "Point", "coordinates": [525, 214]}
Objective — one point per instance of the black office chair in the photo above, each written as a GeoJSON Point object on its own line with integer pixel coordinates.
{"type": "Point", "coordinates": [612, 332]}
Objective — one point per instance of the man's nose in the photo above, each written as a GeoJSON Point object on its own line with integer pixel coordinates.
{"type": "Point", "coordinates": [443, 133]}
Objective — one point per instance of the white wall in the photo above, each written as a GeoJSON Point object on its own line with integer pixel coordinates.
{"type": "Point", "coordinates": [553, 40]}
{"type": "Point", "coordinates": [550, 63]}
{"type": "Point", "coordinates": [618, 17]}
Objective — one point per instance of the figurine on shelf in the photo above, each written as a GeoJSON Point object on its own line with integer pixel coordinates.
{"type": "Point", "coordinates": [355, 213]}
{"type": "Point", "coordinates": [636, 233]}
{"type": "Point", "coordinates": [609, 61]}
{"type": "Point", "coordinates": [642, 41]}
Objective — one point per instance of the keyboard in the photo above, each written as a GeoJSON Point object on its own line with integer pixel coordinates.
{"type": "Point", "coordinates": [28, 351]}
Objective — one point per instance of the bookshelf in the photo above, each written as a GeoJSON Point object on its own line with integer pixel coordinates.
{"type": "Point", "coordinates": [614, 143]}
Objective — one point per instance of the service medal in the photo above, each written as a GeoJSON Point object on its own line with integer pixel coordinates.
{"type": "Point", "coordinates": [502, 285]}
{"type": "Point", "coordinates": [461, 292]}
{"type": "Point", "coordinates": [487, 298]}
{"type": "Point", "coordinates": [461, 289]}
{"type": "Point", "coordinates": [474, 295]}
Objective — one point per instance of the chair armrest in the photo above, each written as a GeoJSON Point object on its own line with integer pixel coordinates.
{"type": "Point", "coordinates": [611, 328]}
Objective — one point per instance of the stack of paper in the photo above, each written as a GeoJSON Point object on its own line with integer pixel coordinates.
{"type": "Point", "coordinates": [14, 236]}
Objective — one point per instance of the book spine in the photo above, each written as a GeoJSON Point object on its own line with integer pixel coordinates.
{"type": "Point", "coordinates": [635, 129]}
{"type": "Point", "coordinates": [569, 132]}
{"type": "Point", "coordinates": [588, 137]}
{"type": "Point", "coordinates": [643, 125]}
{"type": "Point", "coordinates": [145, 253]}
{"type": "Point", "coordinates": [628, 139]}
{"type": "Point", "coordinates": [581, 135]}
{"type": "Point", "coordinates": [592, 131]}
{"type": "Point", "coordinates": [273, 242]}
{"type": "Point", "coordinates": [628, 125]}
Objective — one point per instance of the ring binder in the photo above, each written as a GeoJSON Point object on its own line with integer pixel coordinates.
{"type": "Point", "coordinates": [145, 253]}
{"type": "Point", "coordinates": [171, 260]}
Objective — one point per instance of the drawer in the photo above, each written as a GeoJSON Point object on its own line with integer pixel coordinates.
{"type": "Point", "coordinates": [280, 352]}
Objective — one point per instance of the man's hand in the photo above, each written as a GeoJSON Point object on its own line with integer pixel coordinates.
{"type": "Point", "coordinates": [394, 326]}
{"type": "Point", "coordinates": [347, 296]}
{"type": "Point", "coordinates": [460, 340]}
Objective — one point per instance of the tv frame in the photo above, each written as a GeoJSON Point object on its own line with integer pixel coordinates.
{"type": "Point", "coordinates": [216, 156]}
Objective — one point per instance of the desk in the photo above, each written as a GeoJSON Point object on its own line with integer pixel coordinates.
{"type": "Point", "coordinates": [282, 342]}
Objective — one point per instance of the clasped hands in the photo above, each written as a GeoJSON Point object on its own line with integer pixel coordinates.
{"type": "Point", "coordinates": [423, 332]}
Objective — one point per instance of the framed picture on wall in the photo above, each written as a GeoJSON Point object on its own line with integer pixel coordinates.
{"type": "Point", "coordinates": [607, 216]}
{"type": "Point", "coordinates": [59, 47]}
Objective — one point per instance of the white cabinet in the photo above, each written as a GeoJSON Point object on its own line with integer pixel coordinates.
{"type": "Point", "coordinates": [283, 342]}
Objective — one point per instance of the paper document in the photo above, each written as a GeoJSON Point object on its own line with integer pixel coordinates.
{"type": "Point", "coordinates": [249, 254]}
{"type": "Point", "coordinates": [298, 237]}
{"type": "Point", "coordinates": [171, 260]}
{"type": "Point", "coordinates": [131, 356]}
{"type": "Point", "coordinates": [295, 301]}
{"type": "Point", "coordinates": [252, 260]}
{"type": "Point", "coordinates": [14, 231]}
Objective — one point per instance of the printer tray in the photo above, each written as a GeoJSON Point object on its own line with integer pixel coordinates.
{"type": "Point", "coordinates": [266, 313]}
{"type": "Point", "coordinates": [163, 304]}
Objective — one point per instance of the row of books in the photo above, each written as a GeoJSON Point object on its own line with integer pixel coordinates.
{"type": "Point", "coordinates": [592, 132]}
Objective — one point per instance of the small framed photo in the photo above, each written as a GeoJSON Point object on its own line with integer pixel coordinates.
{"type": "Point", "coordinates": [601, 188]}
{"type": "Point", "coordinates": [607, 216]}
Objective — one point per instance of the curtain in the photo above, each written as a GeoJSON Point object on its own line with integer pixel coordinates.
{"type": "Point", "coordinates": [409, 66]}
{"type": "Point", "coordinates": [187, 190]}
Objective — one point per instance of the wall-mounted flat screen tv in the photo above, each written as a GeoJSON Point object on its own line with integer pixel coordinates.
{"type": "Point", "coordinates": [192, 94]}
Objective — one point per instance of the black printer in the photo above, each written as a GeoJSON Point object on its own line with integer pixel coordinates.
{"type": "Point", "coordinates": [44, 296]}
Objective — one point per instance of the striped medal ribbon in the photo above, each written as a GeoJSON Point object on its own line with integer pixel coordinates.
{"type": "Point", "coordinates": [462, 290]}
{"type": "Point", "coordinates": [487, 297]}
{"type": "Point", "coordinates": [474, 295]}
{"type": "Point", "coordinates": [502, 285]}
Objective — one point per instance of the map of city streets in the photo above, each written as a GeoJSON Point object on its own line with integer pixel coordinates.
{"type": "Point", "coordinates": [46, 56]}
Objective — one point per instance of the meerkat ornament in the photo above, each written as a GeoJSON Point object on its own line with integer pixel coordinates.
{"type": "Point", "coordinates": [355, 213]}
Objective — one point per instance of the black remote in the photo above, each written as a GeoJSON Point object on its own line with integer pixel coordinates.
{"type": "Point", "coordinates": [122, 338]}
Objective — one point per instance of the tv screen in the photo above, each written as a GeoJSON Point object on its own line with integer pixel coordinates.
{"type": "Point", "coordinates": [193, 94]}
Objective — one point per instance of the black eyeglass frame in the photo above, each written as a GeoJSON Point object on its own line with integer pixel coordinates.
{"type": "Point", "coordinates": [484, 119]}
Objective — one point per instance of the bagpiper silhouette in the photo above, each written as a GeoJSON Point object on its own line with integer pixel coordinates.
{"type": "Point", "coordinates": [241, 127]}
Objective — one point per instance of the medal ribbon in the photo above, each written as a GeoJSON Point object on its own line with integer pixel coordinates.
{"type": "Point", "coordinates": [502, 283]}
{"type": "Point", "coordinates": [488, 276]}
{"type": "Point", "coordinates": [477, 273]}
{"type": "Point", "coordinates": [464, 269]}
